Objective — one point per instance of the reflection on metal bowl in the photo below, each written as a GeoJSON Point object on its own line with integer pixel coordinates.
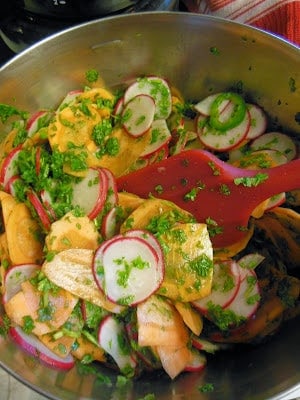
{"type": "Point", "coordinates": [177, 46]}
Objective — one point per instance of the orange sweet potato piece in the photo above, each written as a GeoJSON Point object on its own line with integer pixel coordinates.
{"type": "Point", "coordinates": [174, 359]}
{"type": "Point", "coordinates": [85, 347]}
{"type": "Point", "coordinates": [23, 236]}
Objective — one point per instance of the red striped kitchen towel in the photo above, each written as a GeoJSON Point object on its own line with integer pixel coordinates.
{"type": "Point", "coordinates": [281, 17]}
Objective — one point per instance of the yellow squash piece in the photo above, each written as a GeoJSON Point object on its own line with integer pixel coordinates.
{"type": "Point", "coordinates": [190, 316]}
{"type": "Point", "coordinates": [85, 347]}
{"type": "Point", "coordinates": [72, 232]}
{"type": "Point", "coordinates": [72, 270]}
{"type": "Point", "coordinates": [24, 236]}
{"type": "Point", "coordinates": [188, 262]}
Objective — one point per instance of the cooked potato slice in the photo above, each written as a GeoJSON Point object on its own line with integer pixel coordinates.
{"type": "Point", "coordinates": [72, 232]}
{"type": "Point", "coordinates": [72, 270]}
{"type": "Point", "coordinates": [24, 236]}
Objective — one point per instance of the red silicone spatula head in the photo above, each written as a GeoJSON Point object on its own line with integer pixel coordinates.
{"type": "Point", "coordinates": [212, 190]}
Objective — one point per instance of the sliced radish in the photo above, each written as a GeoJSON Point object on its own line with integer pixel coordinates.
{"type": "Point", "coordinates": [112, 190]}
{"type": "Point", "coordinates": [37, 121]}
{"type": "Point", "coordinates": [258, 122]}
{"type": "Point", "coordinates": [47, 203]}
{"type": "Point", "coordinates": [9, 167]}
{"type": "Point", "coordinates": [247, 299]}
{"type": "Point", "coordinates": [138, 115]}
{"type": "Point", "coordinates": [276, 141]}
{"type": "Point", "coordinates": [155, 87]}
{"type": "Point", "coordinates": [39, 208]}
{"type": "Point", "coordinates": [127, 269]}
{"type": "Point", "coordinates": [70, 98]}
{"type": "Point", "coordinates": [112, 339]}
{"type": "Point", "coordinates": [276, 201]}
{"type": "Point", "coordinates": [32, 345]}
{"type": "Point", "coordinates": [160, 136]}
{"type": "Point", "coordinates": [203, 106]}
{"type": "Point", "coordinates": [225, 286]}
{"type": "Point", "coordinates": [250, 261]}
{"type": "Point", "coordinates": [152, 241]}
{"type": "Point", "coordinates": [197, 363]}
{"type": "Point", "coordinates": [11, 185]}
{"type": "Point", "coordinates": [119, 106]}
{"type": "Point", "coordinates": [223, 140]}
{"type": "Point", "coordinates": [90, 193]}
{"type": "Point", "coordinates": [109, 223]}
{"type": "Point", "coordinates": [15, 276]}
{"type": "Point", "coordinates": [204, 344]}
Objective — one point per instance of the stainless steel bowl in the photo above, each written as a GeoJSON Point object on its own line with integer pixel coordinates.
{"type": "Point", "coordinates": [199, 54]}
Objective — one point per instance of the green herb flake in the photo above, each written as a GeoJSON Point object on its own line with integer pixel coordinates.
{"type": "Point", "coordinates": [92, 75]}
{"type": "Point", "coordinates": [251, 181]}
{"type": "Point", "coordinates": [206, 388]}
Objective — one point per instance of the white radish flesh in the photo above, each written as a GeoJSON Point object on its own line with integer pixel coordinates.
{"type": "Point", "coordinates": [37, 121]}
{"type": "Point", "coordinates": [160, 136]}
{"type": "Point", "coordinates": [258, 121]}
{"type": "Point", "coordinates": [197, 363]}
{"type": "Point", "coordinates": [225, 285]}
{"type": "Point", "coordinates": [111, 331]}
{"type": "Point", "coordinates": [127, 269]}
{"type": "Point", "coordinates": [90, 193]}
{"type": "Point", "coordinates": [138, 115]}
{"type": "Point", "coordinates": [155, 87]}
{"type": "Point", "coordinates": [32, 345]}
{"type": "Point", "coordinates": [276, 141]}
{"type": "Point", "coordinates": [15, 276]}
{"type": "Point", "coordinates": [223, 140]}
{"type": "Point", "coordinates": [9, 168]}
{"type": "Point", "coordinates": [203, 106]}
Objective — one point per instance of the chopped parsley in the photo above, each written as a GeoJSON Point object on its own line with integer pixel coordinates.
{"type": "Point", "coordinates": [92, 75]}
{"type": "Point", "coordinates": [7, 111]}
{"type": "Point", "coordinates": [251, 181]}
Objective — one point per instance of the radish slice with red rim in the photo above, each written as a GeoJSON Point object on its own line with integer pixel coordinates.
{"type": "Point", "coordinates": [69, 98]}
{"type": "Point", "coordinates": [90, 192]}
{"type": "Point", "coordinates": [197, 363]}
{"type": "Point", "coordinates": [9, 167]}
{"type": "Point", "coordinates": [112, 339]}
{"type": "Point", "coordinates": [127, 269]}
{"type": "Point", "coordinates": [119, 106]}
{"type": "Point", "coordinates": [276, 141]}
{"type": "Point", "coordinates": [12, 185]}
{"type": "Point", "coordinates": [225, 285]}
{"type": "Point", "coordinates": [138, 115]}
{"type": "Point", "coordinates": [160, 136]}
{"type": "Point", "coordinates": [204, 344]}
{"type": "Point", "coordinates": [204, 105]}
{"type": "Point", "coordinates": [37, 121]}
{"type": "Point", "coordinates": [15, 275]}
{"type": "Point", "coordinates": [247, 299]}
{"type": "Point", "coordinates": [109, 223]}
{"type": "Point", "coordinates": [158, 89]}
{"type": "Point", "coordinates": [276, 201]}
{"type": "Point", "coordinates": [258, 121]}
{"type": "Point", "coordinates": [250, 261]}
{"type": "Point", "coordinates": [32, 345]}
{"type": "Point", "coordinates": [39, 208]}
{"type": "Point", "coordinates": [112, 190]}
{"type": "Point", "coordinates": [222, 140]}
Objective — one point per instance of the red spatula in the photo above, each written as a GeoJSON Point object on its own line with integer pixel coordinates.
{"type": "Point", "coordinates": [211, 189]}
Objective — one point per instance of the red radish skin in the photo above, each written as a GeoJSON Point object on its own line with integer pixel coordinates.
{"type": "Point", "coordinates": [90, 193]}
{"type": "Point", "coordinates": [39, 208]}
{"type": "Point", "coordinates": [276, 141]}
{"type": "Point", "coordinates": [138, 115]}
{"type": "Point", "coordinates": [8, 168]}
{"type": "Point", "coordinates": [15, 275]}
{"type": "Point", "coordinates": [112, 190]}
{"type": "Point", "coordinates": [225, 286]}
{"type": "Point", "coordinates": [197, 363]}
{"type": "Point", "coordinates": [160, 137]}
{"type": "Point", "coordinates": [129, 269]}
{"type": "Point", "coordinates": [32, 345]}
{"type": "Point", "coordinates": [47, 203]}
{"type": "Point", "coordinates": [258, 121]}
{"type": "Point", "coordinates": [119, 106]}
{"type": "Point", "coordinates": [224, 141]}
{"type": "Point", "coordinates": [247, 298]}
{"type": "Point", "coordinates": [203, 106]}
{"type": "Point", "coordinates": [156, 87]}
{"type": "Point", "coordinates": [33, 124]}
{"type": "Point", "coordinates": [109, 224]}
{"type": "Point", "coordinates": [110, 332]}
{"type": "Point", "coordinates": [10, 186]}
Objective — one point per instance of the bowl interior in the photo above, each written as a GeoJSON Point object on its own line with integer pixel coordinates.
{"type": "Point", "coordinates": [200, 55]}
